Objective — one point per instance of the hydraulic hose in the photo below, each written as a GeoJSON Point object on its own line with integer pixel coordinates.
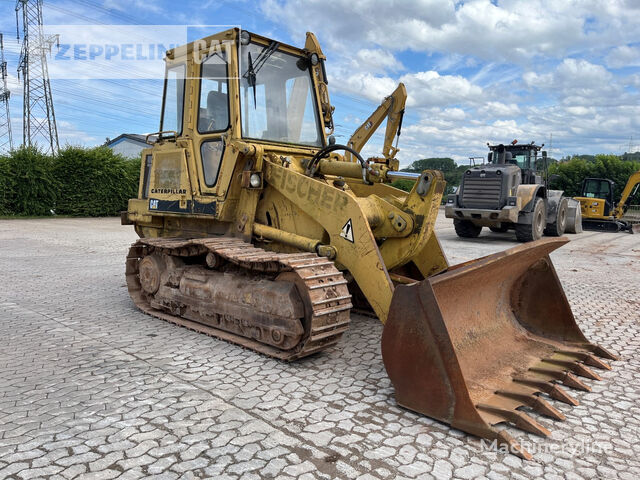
{"type": "Point", "coordinates": [323, 152]}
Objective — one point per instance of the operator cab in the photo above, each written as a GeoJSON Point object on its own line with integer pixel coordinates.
{"type": "Point", "coordinates": [524, 156]}
{"type": "Point", "coordinates": [228, 87]}
{"type": "Point", "coordinates": [601, 188]}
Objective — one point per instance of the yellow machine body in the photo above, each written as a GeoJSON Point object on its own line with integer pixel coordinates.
{"type": "Point", "coordinates": [598, 206]}
{"type": "Point", "coordinates": [593, 208]}
{"type": "Point", "coordinates": [255, 228]}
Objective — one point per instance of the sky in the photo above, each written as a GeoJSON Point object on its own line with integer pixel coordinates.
{"type": "Point", "coordinates": [563, 73]}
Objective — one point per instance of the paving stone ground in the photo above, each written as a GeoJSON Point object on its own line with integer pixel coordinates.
{"type": "Point", "coordinates": [92, 388]}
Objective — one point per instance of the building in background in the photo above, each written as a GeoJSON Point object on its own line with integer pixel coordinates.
{"type": "Point", "coordinates": [130, 144]}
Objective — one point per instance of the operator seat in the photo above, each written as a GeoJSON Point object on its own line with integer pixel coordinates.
{"type": "Point", "coordinates": [217, 113]}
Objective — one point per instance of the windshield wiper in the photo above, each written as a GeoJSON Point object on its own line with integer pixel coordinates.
{"type": "Point", "coordinates": [254, 68]}
{"type": "Point", "coordinates": [250, 75]}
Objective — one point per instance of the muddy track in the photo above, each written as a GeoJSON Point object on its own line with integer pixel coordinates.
{"type": "Point", "coordinates": [320, 285]}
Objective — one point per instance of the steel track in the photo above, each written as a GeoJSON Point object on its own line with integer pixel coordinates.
{"type": "Point", "coordinates": [321, 285]}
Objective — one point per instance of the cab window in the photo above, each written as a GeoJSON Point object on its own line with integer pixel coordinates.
{"type": "Point", "coordinates": [597, 189]}
{"type": "Point", "coordinates": [211, 153]}
{"type": "Point", "coordinates": [173, 103]}
{"type": "Point", "coordinates": [213, 113]}
{"type": "Point", "coordinates": [277, 96]}
{"type": "Point", "coordinates": [521, 159]}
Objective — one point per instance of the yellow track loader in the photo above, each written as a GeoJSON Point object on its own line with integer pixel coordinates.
{"type": "Point", "coordinates": [257, 228]}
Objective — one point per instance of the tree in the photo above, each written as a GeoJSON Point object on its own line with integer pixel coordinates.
{"type": "Point", "coordinates": [442, 164]}
{"type": "Point", "coordinates": [452, 172]}
{"type": "Point", "coordinates": [571, 174]}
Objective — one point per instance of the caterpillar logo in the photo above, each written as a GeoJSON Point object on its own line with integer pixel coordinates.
{"type": "Point", "coordinates": [170, 191]}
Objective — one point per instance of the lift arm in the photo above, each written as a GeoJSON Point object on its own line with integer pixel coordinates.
{"type": "Point", "coordinates": [392, 108]}
{"type": "Point", "coordinates": [633, 181]}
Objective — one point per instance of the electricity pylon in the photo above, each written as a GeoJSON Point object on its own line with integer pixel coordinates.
{"type": "Point", "coordinates": [6, 140]}
{"type": "Point", "coordinates": [39, 119]}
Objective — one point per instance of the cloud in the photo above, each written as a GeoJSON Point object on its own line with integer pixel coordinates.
{"type": "Point", "coordinates": [13, 84]}
{"type": "Point", "coordinates": [345, 23]}
{"type": "Point", "coordinates": [68, 133]}
{"type": "Point", "coordinates": [429, 88]}
{"type": "Point", "coordinates": [571, 74]}
{"type": "Point", "coordinates": [482, 70]}
{"type": "Point", "coordinates": [425, 89]}
{"type": "Point", "coordinates": [582, 74]}
{"type": "Point", "coordinates": [580, 83]}
{"type": "Point", "coordinates": [126, 6]}
{"type": "Point", "coordinates": [623, 56]}
{"type": "Point", "coordinates": [511, 30]}
{"type": "Point", "coordinates": [634, 80]}
{"type": "Point", "coordinates": [499, 109]}
{"type": "Point", "coordinates": [364, 84]}
{"type": "Point", "coordinates": [377, 60]}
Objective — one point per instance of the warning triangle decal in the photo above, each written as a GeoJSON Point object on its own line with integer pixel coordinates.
{"type": "Point", "coordinates": [347, 231]}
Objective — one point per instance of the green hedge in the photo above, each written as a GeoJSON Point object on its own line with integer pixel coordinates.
{"type": "Point", "coordinates": [78, 182]}
{"type": "Point", "coordinates": [94, 182]}
{"type": "Point", "coordinates": [28, 187]}
{"type": "Point", "coordinates": [4, 186]}
{"type": "Point", "coordinates": [570, 174]}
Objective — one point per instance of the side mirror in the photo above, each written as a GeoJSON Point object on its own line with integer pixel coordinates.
{"type": "Point", "coordinates": [544, 154]}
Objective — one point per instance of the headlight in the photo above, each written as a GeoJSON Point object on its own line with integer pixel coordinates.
{"type": "Point", "coordinates": [245, 37]}
{"type": "Point", "coordinates": [255, 181]}
{"type": "Point", "coordinates": [314, 59]}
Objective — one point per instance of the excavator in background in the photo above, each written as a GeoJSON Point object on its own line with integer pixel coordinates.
{"type": "Point", "coordinates": [254, 229]}
{"type": "Point", "coordinates": [599, 210]}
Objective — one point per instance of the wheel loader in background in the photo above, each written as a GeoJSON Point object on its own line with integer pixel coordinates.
{"type": "Point", "coordinates": [256, 230]}
{"type": "Point", "coordinates": [599, 210]}
{"type": "Point", "coordinates": [510, 191]}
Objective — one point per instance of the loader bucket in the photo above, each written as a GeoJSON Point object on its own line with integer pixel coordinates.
{"type": "Point", "coordinates": [471, 346]}
{"type": "Point", "coordinates": [574, 217]}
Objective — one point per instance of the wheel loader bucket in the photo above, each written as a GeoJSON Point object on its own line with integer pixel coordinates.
{"type": "Point", "coordinates": [471, 346]}
{"type": "Point", "coordinates": [574, 217]}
